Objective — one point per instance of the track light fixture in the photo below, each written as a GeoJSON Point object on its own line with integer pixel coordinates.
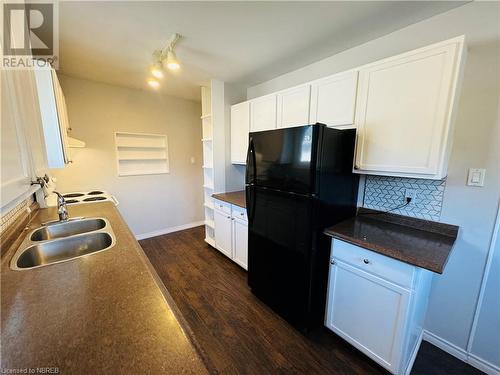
{"type": "Point", "coordinates": [153, 83]}
{"type": "Point", "coordinates": [164, 59]}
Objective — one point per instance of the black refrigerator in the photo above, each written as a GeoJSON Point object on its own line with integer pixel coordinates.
{"type": "Point", "coordinates": [298, 182]}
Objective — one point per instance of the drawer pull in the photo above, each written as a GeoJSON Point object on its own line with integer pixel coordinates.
{"type": "Point", "coordinates": [366, 261]}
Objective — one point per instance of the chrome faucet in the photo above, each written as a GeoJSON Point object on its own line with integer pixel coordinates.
{"type": "Point", "coordinates": [61, 207]}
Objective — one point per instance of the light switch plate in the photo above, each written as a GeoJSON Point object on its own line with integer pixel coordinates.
{"type": "Point", "coordinates": [476, 177]}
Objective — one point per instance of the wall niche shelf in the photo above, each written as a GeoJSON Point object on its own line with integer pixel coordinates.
{"type": "Point", "coordinates": [141, 154]}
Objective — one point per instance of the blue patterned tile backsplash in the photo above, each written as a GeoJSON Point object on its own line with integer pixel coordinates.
{"type": "Point", "coordinates": [384, 193]}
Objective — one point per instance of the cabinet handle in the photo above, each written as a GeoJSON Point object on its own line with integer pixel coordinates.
{"type": "Point", "coordinates": [229, 217]}
{"type": "Point", "coordinates": [366, 261]}
{"type": "Point", "coordinates": [332, 262]}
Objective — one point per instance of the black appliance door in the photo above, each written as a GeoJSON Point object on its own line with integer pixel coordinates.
{"type": "Point", "coordinates": [284, 159]}
{"type": "Point", "coordinates": [280, 245]}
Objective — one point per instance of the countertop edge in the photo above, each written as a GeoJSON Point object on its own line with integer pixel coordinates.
{"type": "Point", "coordinates": [188, 332]}
{"type": "Point", "coordinates": [232, 197]}
{"type": "Point", "coordinates": [186, 329]}
{"type": "Point", "coordinates": [374, 248]}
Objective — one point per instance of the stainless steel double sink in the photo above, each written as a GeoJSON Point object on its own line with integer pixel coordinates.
{"type": "Point", "coordinates": [59, 242]}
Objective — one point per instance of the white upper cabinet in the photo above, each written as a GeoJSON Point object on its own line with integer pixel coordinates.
{"type": "Point", "coordinates": [15, 159]}
{"type": "Point", "coordinates": [54, 117]}
{"type": "Point", "coordinates": [293, 107]}
{"type": "Point", "coordinates": [263, 113]}
{"type": "Point", "coordinates": [404, 112]}
{"type": "Point", "coordinates": [403, 108]}
{"type": "Point", "coordinates": [333, 100]}
{"type": "Point", "coordinates": [240, 127]}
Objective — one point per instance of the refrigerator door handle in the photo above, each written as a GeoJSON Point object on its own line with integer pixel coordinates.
{"type": "Point", "coordinates": [251, 169]}
{"type": "Point", "coordinates": [250, 203]}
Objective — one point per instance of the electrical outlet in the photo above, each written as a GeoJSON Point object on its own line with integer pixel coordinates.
{"type": "Point", "coordinates": [410, 193]}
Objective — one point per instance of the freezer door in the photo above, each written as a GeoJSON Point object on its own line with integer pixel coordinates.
{"type": "Point", "coordinates": [280, 245]}
{"type": "Point", "coordinates": [284, 159]}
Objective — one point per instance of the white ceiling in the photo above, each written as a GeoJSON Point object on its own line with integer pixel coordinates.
{"type": "Point", "coordinates": [239, 42]}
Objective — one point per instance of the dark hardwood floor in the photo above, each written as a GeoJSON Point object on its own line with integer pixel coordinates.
{"type": "Point", "coordinates": [241, 335]}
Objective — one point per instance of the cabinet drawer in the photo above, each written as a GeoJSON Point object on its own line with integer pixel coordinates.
{"type": "Point", "coordinates": [376, 264]}
{"type": "Point", "coordinates": [240, 213]}
{"type": "Point", "coordinates": [222, 206]}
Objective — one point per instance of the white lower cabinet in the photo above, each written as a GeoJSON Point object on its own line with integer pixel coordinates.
{"type": "Point", "coordinates": [240, 242]}
{"type": "Point", "coordinates": [223, 232]}
{"type": "Point", "coordinates": [231, 231]}
{"type": "Point", "coordinates": [377, 304]}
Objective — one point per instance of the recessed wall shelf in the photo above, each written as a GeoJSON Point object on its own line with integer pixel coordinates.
{"type": "Point", "coordinates": [141, 154]}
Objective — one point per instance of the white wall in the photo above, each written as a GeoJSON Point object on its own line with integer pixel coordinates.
{"type": "Point", "coordinates": [147, 203]}
{"type": "Point", "coordinates": [477, 144]}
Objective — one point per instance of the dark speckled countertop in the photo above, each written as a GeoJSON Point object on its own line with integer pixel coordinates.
{"type": "Point", "coordinates": [234, 197]}
{"type": "Point", "coordinates": [422, 243]}
{"type": "Point", "coordinates": [105, 313]}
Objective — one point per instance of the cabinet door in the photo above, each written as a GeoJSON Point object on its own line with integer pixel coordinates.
{"type": "Point", "coordinates": [15, 161]}
{"type": "Point", "coordinates": [240, 242]}
{"type": "Point", "coordinates": [223, 232]}
{"type": "Point", "coordinates": [62, 112]}
{"type": "Point", "coordinates": [293, 107]}
{"type": "Point", "coordinates": [263, 113]}
{"type": "Point", "coordinates": [240, 127]}
{"type": "Point", "coordinates": [404, 112]}
{"type": "Point", "coordinates": [333, 100]}
{"type": "Point", "coordinates": [368, 312]}
{"type": "Point", "coordinates": [51, 114]}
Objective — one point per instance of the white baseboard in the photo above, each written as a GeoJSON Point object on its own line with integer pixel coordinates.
{"type": "Point", "coordinates": [159, 232]}
{"type": "Point", "coordinates": [414, 354]}
{"type": "Point", "coordinates": [445, 345]}
{"type": "Point", "coordinates": [461, 354]}
{"type": "Point", "coordinates": [483, 365]}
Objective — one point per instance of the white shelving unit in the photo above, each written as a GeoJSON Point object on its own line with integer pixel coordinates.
{"type": "Point", "coordinates": [208, 163]}
{"type": "Point", "coordinates": [141, 154]}
{"type": "Point", "coordinates": [213, 122]}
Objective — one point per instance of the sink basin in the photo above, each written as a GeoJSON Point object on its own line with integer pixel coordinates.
{"type": "Point", "coordinates": [67, 228]}
{"type": "Point", "coordinates": [61, 250]}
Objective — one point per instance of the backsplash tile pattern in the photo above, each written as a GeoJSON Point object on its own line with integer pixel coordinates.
{"type": "Point", "coordinates": [10, 217]}
{"type": "Point", "coordinates": [384, 193]}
